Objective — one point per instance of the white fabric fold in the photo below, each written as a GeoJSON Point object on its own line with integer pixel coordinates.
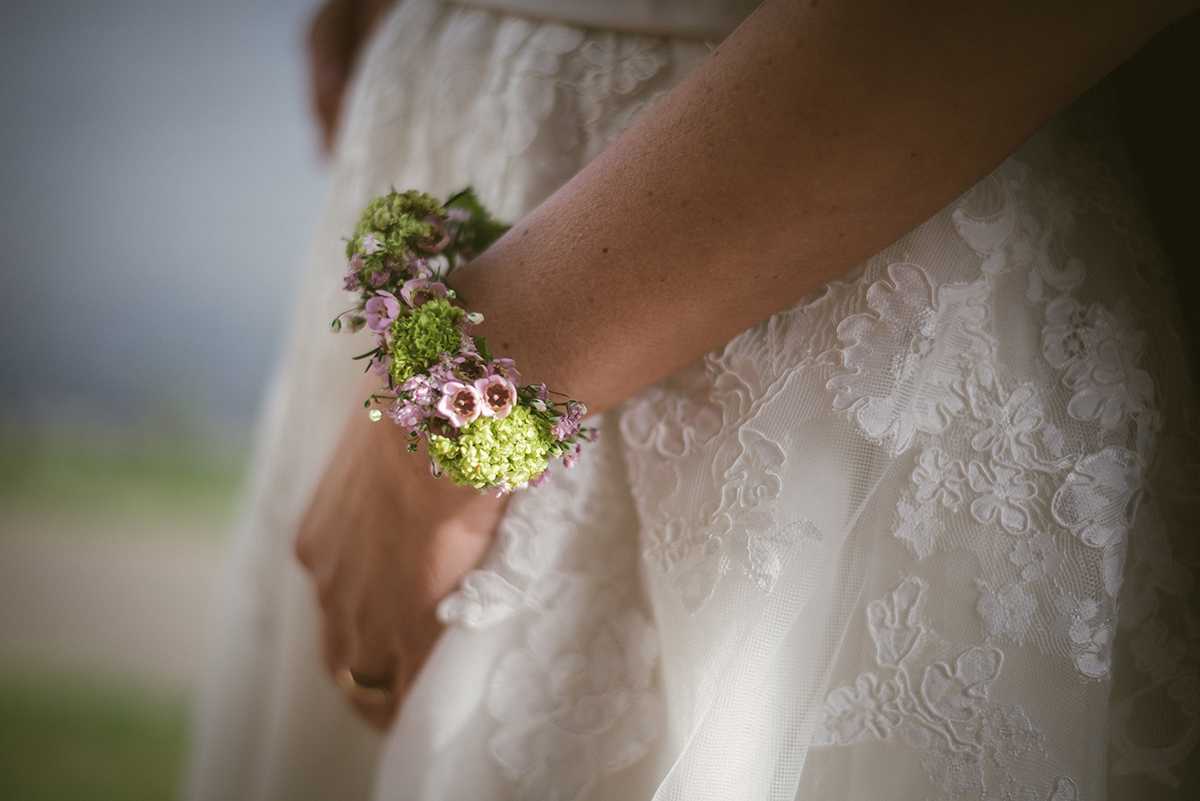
{"type": "Point", "coordinates": [922, 535]}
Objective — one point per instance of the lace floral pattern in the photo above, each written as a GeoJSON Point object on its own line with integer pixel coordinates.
{"type": "Point", "coordinates": [558, 709]}
{"type": "Point", "coordinates": [740, 530]}
{"type": "Point", "coordinates": [579, 688]}
{"type": "Point", "coordinates": [1037, 467]}
{"type": "Point", "coordinates": [1098, 352]}
{"type": "Point", "coordinates": [906, 354]}
{"type": "Point", "coordinates": [971, 745]}
{"type": "Point", "coordinates": [952, 481]}
{"type": "Point", "coordinates": [1068, 487]}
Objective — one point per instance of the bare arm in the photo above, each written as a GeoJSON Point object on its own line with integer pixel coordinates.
{"type": "Point", "coordinates": [812, 138]}
{"type": "Point", "coordinates": [337, 35]}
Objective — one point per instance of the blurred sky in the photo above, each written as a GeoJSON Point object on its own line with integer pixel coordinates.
{"type": "Point", "coordinates": [159, 177]}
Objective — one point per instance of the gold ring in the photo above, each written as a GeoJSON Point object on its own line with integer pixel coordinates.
{"type": "Point", "coordinates": [357, 689]}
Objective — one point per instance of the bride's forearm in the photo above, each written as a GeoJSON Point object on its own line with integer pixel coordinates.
{"type": "Point", "coordinates": [810, 139]}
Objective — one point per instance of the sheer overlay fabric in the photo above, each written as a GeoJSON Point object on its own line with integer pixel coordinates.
{"type": "Point", "coordinates": [928, 533]}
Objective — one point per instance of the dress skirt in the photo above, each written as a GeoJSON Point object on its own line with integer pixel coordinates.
{"type": "Point", "coordinates": [928, 533]}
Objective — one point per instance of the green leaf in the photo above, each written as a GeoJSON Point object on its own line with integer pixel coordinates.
{"type": "Point", "coordinates": [480, 231]}
{"type": "Point", "coordinates": [481, 346]}
{"type": "Point", "coordinates": [466, 201]}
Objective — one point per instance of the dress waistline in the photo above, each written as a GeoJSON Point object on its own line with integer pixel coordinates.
{"type": "Point", "coordinates": [690, 19]}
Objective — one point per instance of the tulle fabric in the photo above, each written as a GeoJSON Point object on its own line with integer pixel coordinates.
{"type": "Point", "coordinates": [922, 535]}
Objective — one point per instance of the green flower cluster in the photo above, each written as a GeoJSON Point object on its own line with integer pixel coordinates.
{"type": "Point", "coordinates": [397, 220]}
{"type": "Point", "coordinates": [491, 452]}
{"type": "Point", "coordinates": [421, 337]}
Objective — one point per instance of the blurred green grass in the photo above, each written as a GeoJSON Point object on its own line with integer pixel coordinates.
{"type": "Point", "coordinates": [121, 474]}
{"type": "Point", "coordinates": [80, 733]}
{"type": "Point", "coordinates": [69, 737]}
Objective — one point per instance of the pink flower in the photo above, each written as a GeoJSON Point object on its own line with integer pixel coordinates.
{"type": "Point", "coordinates": [468, 348]}
{"type": "Point", "coordinates": [418, 291]}
{"type": "Point", "coordinates": [353, 270]}
{"type": "Point", "coordinates": [380, 365]}
{"type": "Point", "coordinates": [470, 367]}
{"type": "Point", "coordinates": [508, 369]}
{"type": "Point", "coordinates": [381, 310]}
{"type": "Point", "coordinates": [460, 403]}
{"type": "Point", "coordinates": [420, 390]}
{"type": "Point", "coordinates": [436, 242]}
{"type": "Point", "coordinates": [572, 456]}
{"type": "Point", "coordinates": [441, 374]}
{"type": "Point", "coordinates": [568, 425]}
{"type": "Point", "coordinates": [371, 245]}
{"type": "Point", "coordinates": [498, 396]}
{"type": "Point", "coordinates": [407, 414]}
{"type": "Point", "coordinates": [565, 428]}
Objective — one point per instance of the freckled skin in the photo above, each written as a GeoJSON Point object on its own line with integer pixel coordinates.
{"type": "Point", "coordinates": [873, 123]}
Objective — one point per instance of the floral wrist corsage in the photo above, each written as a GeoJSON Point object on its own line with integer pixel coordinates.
{"type": "Point", "coordinates": [479, 425]}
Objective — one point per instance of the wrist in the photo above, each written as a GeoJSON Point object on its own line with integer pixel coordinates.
{"type": "Point", "coordinates": [478, 422]}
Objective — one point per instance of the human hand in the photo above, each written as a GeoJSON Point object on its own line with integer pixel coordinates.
{"type": "Point", "coordinates": [384, 542]}
{"type": "Point", "coordinates": [336, 37]}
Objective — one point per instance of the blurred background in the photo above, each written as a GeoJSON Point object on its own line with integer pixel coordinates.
{"type": "Point", "coordinates": [159, 176]}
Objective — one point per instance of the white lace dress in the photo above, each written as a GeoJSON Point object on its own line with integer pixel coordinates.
{"type": "Point", "coordinates": [929, 533]}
